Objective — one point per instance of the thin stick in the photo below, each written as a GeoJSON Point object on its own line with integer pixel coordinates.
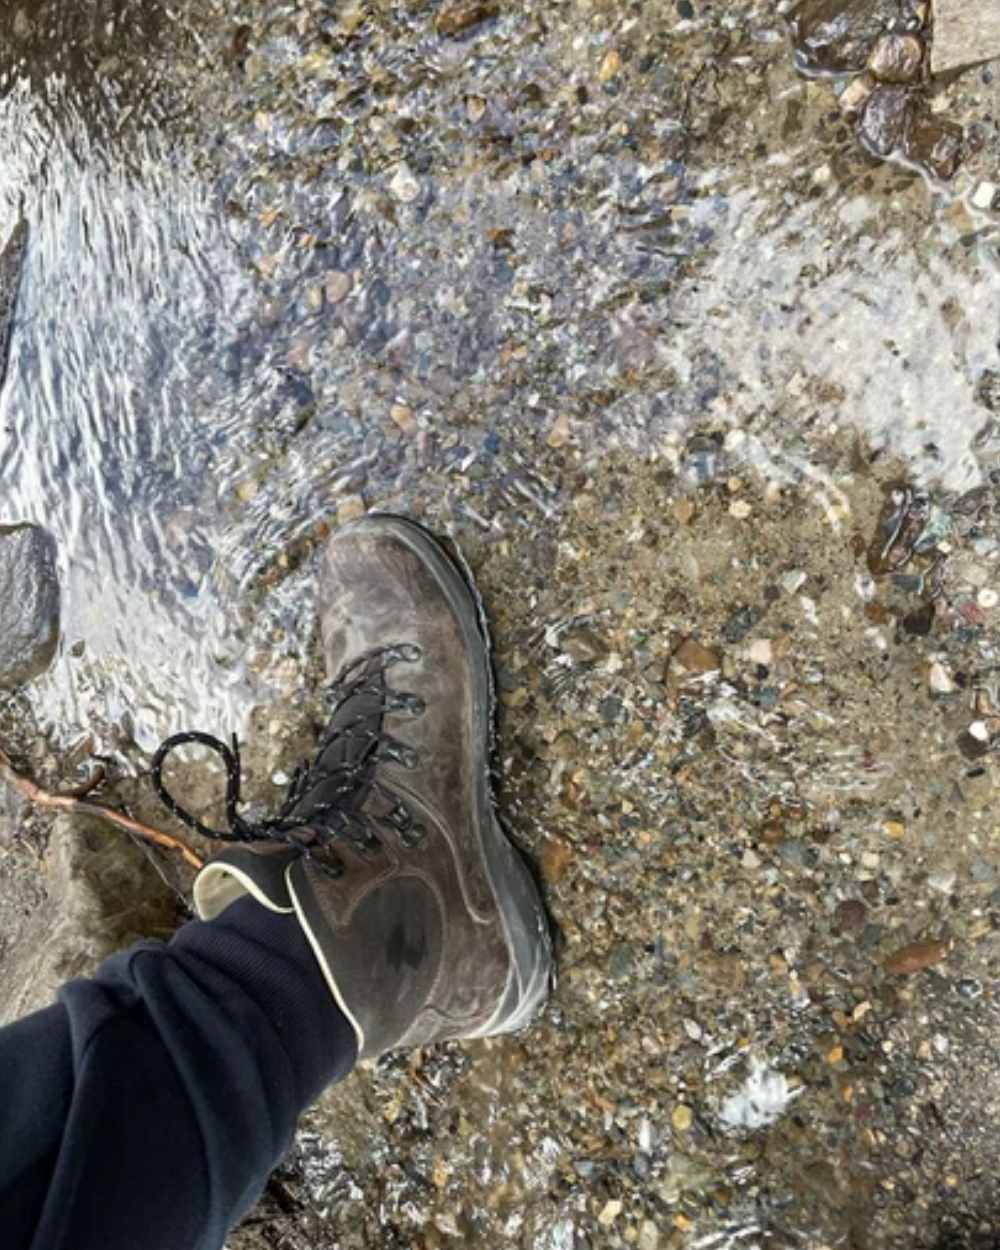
{"type": "Point", "coordinates": [71, 803]}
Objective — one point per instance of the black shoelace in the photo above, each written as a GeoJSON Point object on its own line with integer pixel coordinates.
{"type": "Point", "coordinates": [341, 784]}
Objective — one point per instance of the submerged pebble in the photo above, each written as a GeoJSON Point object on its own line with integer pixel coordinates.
{"type": "Point", "coordinates": [896, 58]}
{"type": "Point", "coordinates": [916, 956]}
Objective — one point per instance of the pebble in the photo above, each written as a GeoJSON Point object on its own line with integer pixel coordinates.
{"type": "Point", "coordinates": [697, 658]}
{"type": "Point", "coordinates": [456, 16]}
{"type": "Point", "coordinates": [740, 509]}
{"type": "Point", "coordinates": [984, 195]}
{"type": "Point", "coordinates": [739, 624]}
{"type": "Point", "coordinates": [761, 652]}
{"type": "Point", "coordinates": [559, 435]}
{"type": "Point", "coordinates": [969, 742]}
{"type": "Point", "coordinates": [404, 186]}
{"type": "Point", "coordinates": [850, 914]}
{"type": "Point", "coordinates": [610, 66]}
{"type": "Point", "coordinates": [555, 859]}
{"type": "Point", "coordinates": [338, 286]}
{"type": "Point", "coordinates": [583, 645]}
{"type": "Point", "coordinates": [649, 1236]}
{"type": "Point", "coordinates": [852, 98]}
{"type": "Point", "coordinates": [350, 507]}
{"type": "Point", "coordinates": [939, 679]}
{"type": "Point", "coordinates": [943, 882]}
{"type": "Point", "coordinates": [916, 956]}
{"type": "Point", "coordinates": [684, 511]}
{"type": "Point", "coordinates": [403, 417]}
{"type": "Point", "coordinates": [792, 581]}
{"type": "Point", "coordinates": [609, 1212]}
{"type": "Point", "coordinates": [681, 1118]}
{"type": "Point", "coordinates": [896, 58]}
{"type": "Point", "coordinates": [988, 598]}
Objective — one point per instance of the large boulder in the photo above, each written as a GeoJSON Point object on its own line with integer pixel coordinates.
{"type": "Point", "coordinates": [29, 603]}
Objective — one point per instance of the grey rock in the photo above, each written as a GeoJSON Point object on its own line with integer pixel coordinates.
{"type": "Point", "coordinates": [29, 603]}
{"type": "Point", "coordinates": [794, 852]}
{"type": "Point", "coordinates": [622, 962]}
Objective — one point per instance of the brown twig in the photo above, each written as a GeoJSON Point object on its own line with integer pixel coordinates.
{"type": "Point", "coordinates": [74, 803]}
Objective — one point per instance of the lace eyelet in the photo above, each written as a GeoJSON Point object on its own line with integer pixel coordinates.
{"type": "Point", "coordinates": [400, 818]}
{"type": "Point", "coordinates": [411, 703]}
{"type": "Point", "coordinates": [412, 837]}
{"type": "Point", "coordinates": [400, 753]}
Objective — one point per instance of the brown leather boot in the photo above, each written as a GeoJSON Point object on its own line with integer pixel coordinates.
{"type": "Point", "coordinates": [425, 921]}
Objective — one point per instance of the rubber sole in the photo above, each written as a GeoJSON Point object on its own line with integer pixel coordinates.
{"type": "Point", "coordinates": [519, 903]}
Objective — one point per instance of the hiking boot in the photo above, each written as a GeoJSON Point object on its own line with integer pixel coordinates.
{"type": "Point", "coordinates": [425, 921]}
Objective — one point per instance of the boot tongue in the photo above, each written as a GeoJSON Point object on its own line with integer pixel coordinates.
{"type": "Point", "coordinates": [342, 773]}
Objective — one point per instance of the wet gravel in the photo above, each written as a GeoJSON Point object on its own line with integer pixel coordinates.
{"type": "Point", "coordinates": [615, 297]}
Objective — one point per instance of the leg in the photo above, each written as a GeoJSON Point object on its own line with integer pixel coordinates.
{"type": "Point", "coordinates": [153, 1101]}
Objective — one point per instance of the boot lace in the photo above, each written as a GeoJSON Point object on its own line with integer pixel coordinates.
{"type": "Point", "coordinates": [323, 800]}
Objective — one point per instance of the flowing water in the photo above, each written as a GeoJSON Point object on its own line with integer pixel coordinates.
{"type": "Point", "coordinates": [287, 261]}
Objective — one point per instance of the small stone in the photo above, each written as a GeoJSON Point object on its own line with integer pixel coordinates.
{"type": "Point", "coordinates": [621, 965]}
{"type": "Point", "coordinates": [402, 415]}
{"type": "Point", "coordinates": [939, 679]}
{"type": "Point", "coordinates": [972, 746]}
{"type": "Point", "coordinates": [610, 66]}
{"type": "Point", "coordinates": [943, 882]}
{"type": "Point", "coordinates": [915, 956]}
{"type": "Point", "coordinates": [684, 511]}
{"type": "Point", "coordinates": [559, 435]}
{"type": "Point", "coordinates": [894, 829]}
{"type": "Point", "coordinates": [475, 107]}
{"type": "Point", "coordinates": [565, 746]}
{"type": "Point", "coordinates": [404, 186]}
{"type": "Point", "coordinates": [350, 508]}
{"type": "Point", "coordinates": [852, 99]}
{"type": "Point", "coordinates": [456, 16]}
{"type": "Point", "coordinates": [697, 658]}
{"type": "Point", "coordinates": [850, 914]}
{"type": "Point", "coordinates": [247, 489]}
{"type": "Point", "coordinates": [835, 1054]}
{"type": "Point", "coordinates": [338, 286]}
{"type": "Point", "coordinates": [896, 58]}
{"type": "Point", "coordinates": [681, 1118]}
{"type": "Point", "coordinates": [934, 143]}
{"type": "Point", "coordinates": [555, 859]}
{"type": "Point", "coordinates": [612, 710]}
{"type": "Point", "coordinates": [795, 852]}
{"type": "Point", "coordinates": [739, 624]}
{"type": "Point", "coordinates": [740, 509]}
{"type": "Point", "coordinates": [584, 645]}
{"type": "Point", "coordinates": [987, 598]}
{"type": "Point", "coordinates": [609, 1213]}
{"type": "Point", "coordinates": [761, 652]}
{"type": "Point", "coordinates": [984, 195]}
{"type": "Point", "coordinates": [885, 123]}
{"type": "Point", "coordinates": [793, 581]}
{"type": "Point", "coordinates": [649, 1236]}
